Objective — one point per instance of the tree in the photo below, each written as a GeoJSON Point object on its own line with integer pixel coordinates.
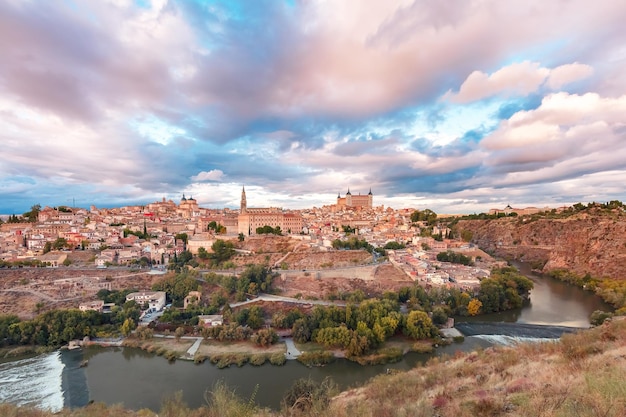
{"type": "Point", "coordinates": [301, 332]}
{"type": "Point", "coordinates": [47, 247]}
{"type": "Point", "coordinates": [182, 236]}
{"type": "Point", "coordinates": [474, 306]}
{"type": "Point", "coordinates": [33, 214]}
{"type": "Point", "coordinates": [419, 325]}
{"type": "Point", "coordinates": [439, 317]}
{"type": "Point", "coordinates": [241, 237]}
{"type": "Point", "coordinates": [202, 253]}
{"type": "Point", "coordinates": [127, 327]}
{"type": "Point", "coordinates": [176, 286]}
{"type": "Point", "coordinates": [426, 215]}
{"type": "Point", "coordinates": [265, 337]}
{"type": "Point", "coordinates": [178, 333]}
{"type": "Point", "coordinates": [60, 243]}
{"type": "Point", "coordinates": [222, 251]}
{"type": "Point", "coordinates": [393, 245]}
{"type": "Point", "coordinates": [467, 235]}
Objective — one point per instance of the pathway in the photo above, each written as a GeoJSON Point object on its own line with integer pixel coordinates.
{"type": "Point", "coordinates": [191, 352]}
{"type": "Point", "coordinates": [292, 350]}
{"type": "Point", "coordinates": [270, 297]}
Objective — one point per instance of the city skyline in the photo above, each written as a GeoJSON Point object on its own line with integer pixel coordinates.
{"type": "Point", "coordinates": [454, 106]}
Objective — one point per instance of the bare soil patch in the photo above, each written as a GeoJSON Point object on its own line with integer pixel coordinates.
{"type": "Point", "coordinates": [35, 290]}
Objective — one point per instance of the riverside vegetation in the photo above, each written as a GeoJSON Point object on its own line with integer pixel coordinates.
{"type": "Point", "coordinates": [581, 374]}
{"type": "Point", "coordinates": [359, 331]}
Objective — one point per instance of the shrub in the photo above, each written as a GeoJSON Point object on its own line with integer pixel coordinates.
{"type": "Point", "coordinates": [598, 317]}
{"type": "Point", "coordinates": [316, 358]}
{"type": "Point", "coordinates": [258, 359]}
{"type": "Point", "coordinates": [278, 359]}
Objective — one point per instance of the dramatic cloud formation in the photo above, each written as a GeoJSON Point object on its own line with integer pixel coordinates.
{"type": "Point", "coordinates": [454, 106]}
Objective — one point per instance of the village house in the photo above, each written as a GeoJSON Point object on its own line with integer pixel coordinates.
{"type": "Point", "coordinates": [211, 320]}
{"type": "Point", "coordinates": [96, 305]}
{"type": "Point", "coordinates": [154, 299]}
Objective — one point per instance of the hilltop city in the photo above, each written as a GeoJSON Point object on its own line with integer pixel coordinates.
{"type": "Point", "coordinates": [147, 234]}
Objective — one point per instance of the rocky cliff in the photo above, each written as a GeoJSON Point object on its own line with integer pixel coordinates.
{"type": "Point", "coordinates": [592, 242]}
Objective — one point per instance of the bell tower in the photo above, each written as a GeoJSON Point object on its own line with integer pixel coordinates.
{"type": "Point", "coordinates": [244, 203]}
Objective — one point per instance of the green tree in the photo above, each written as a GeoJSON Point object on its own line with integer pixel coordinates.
{"type": "Point", "coordinates": [47, 247]}
{"type": "Point", "coordinates": [127, 327]}
{"type": "Point", "coordinates": [222, 251]}
{"type": "Point", "coordinates": [265, 337]}
{"type": "Point", "coordinates": [182, 236]}
{"type": "Point", "coordinates": [301, 331]}
{"type": "Point", "coordinates": [393, 245]}
{"type": "Point", "coordinates": [203, 254]}
{"type": "Point", "coordinates": [426, 215]}
{"type": "Point", "coordinates": [177, 286]}
{"type": "Point", "coordinates": [439, 317]}
{"type": "Point", "coordinates": [33, 214]}
{"type": "Point", "coordinates": [60, 243]}
{"type": "Point", "coordinates": [419, 326]}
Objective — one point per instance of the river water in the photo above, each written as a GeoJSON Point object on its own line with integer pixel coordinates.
{"type": "Point", "coordinates": [138, 379]}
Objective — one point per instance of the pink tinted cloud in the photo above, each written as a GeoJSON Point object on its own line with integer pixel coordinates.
{"type": "Point", "coordinates": [567, 135]}
{"type": "Point", "coordinates": [519, 79]}
{"type": "Point", "coordinates": [356, 59]}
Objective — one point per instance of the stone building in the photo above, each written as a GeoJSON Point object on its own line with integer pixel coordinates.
{"type": "Point", "coordinates": [250, 219]}
{"type": "Point", "coordinates": [355, 201]}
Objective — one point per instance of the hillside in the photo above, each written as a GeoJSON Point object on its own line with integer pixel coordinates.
{"type": "Point", "coordinates": [580, 375]}
{"type": "Point", "coordinates": [589, 242]}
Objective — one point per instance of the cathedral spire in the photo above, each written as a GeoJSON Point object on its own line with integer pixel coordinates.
{"type": "Point", "coordinates": [244, 203]}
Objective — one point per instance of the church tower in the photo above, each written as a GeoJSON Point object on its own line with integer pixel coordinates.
{"type": "Point", "coordinates": [244, 203]}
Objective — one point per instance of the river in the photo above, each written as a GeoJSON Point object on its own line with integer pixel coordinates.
{"type": "Point", "coordinates": [138, 379]}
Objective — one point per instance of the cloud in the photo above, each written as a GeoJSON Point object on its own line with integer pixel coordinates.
{"type": "Point", "coordinates": [213, 175]}
{"type": "Point", "coordinates": [566, 74]}
{"type": "Point", "coordinates": [519, 79]}
{"type": "Point", "coordinates": [299, 99]}
{"type": "Point", "coordinates": [567, 136]}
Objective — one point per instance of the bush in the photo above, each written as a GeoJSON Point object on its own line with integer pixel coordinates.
{"type": "Point", "coordinates": [278, 359]}
{"type": "Point", "coordinates": [258, 359]}
{"type": "Point", "coordinates": [306, 395]}
{"type": "Point", "coordinates": [316, 358]}
{"type": "Point", "coordinates": [598, 317]}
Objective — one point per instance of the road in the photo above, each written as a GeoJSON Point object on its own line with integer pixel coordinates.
{"type": "Point", "coordinates": [278, 298]}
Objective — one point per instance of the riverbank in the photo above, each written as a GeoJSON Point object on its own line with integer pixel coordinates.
{"type": "Point", "coordinates": [581, 374]}
{"type": "Point", "coordinates": [199, 350]}
{"type": "Point", "coordinates": [12, 352]}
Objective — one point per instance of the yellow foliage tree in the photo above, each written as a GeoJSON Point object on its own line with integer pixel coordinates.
{"type": "Point", "coordinates": [474, 306]}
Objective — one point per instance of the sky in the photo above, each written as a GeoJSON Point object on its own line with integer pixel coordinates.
{"type": "Point", "coordinates": [455, 106]}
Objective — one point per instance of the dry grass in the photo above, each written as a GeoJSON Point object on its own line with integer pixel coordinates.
{"type": "Point", "coordinates": [211, 347]}
{"type": "Point", "coordinates": [578, 376]}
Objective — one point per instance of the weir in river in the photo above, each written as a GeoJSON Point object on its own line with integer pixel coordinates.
{"type": "Point", "coordinates": [520, 330]}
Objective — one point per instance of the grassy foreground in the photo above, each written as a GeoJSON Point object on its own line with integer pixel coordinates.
{"type": "Point", "coordinates": [581, 375]}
